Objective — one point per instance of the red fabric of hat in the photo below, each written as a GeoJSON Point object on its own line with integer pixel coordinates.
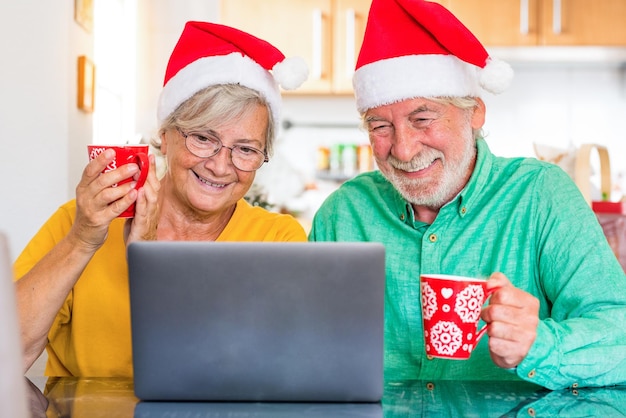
{"type": "Point", "coordinates": [417, 48]}
{"type": "Point", "coordinates": [208, 54]}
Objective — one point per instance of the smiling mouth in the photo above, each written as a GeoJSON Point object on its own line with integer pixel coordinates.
{"type": "Point", "coordinates": [413, 167]}
{"type": "Point", "coordinates": [207, 182]}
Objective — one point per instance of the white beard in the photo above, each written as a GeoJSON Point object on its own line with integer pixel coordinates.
{"type": "Point", "coordinates": [416, 191]}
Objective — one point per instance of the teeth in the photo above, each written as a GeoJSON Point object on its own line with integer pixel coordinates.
{"type": "Point", "coordinates": [211, 184]}
{"type": "Point", "coordinates": [413, 169]}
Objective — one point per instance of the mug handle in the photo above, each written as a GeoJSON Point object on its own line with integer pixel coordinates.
{"type": "Point", "coordinates": [482, 331]}
{"type": "Point", "coordinates": [141, 158]}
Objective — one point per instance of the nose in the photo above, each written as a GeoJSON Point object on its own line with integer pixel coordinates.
{"type": "Point", "coordinates": [406, 143]}
{"type": "Point", "coordinates": [221, 162]}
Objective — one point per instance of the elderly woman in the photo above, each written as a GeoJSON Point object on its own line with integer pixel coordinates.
{"type": "Point", "coordinates": [218, 113]}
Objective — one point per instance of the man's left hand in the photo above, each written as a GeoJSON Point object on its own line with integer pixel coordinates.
{"type": "Point", "coordinates": [512, 317]}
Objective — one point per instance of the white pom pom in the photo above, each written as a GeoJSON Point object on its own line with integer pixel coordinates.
{"type": "Point", "coordinates": [290, 73]}
{"type": "Point", "coordinates": [496, 76]}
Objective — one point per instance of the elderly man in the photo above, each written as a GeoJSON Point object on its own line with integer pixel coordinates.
{"type": "Point", "coordinates": [441, 202]}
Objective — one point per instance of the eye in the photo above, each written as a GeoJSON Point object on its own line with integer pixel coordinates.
{"type": "Point", "coordinates": [380, 128]}
{"type": "Point", "coordinates": [422, 122]}
{"type": "Point", "coordinates": [199, 138]}
{"type": "Point", "coordinates": [203, 139]}
{"type": "Point", "coordinates": [246, 150]}
{"type": "Point", "coordinates": [376, 124]}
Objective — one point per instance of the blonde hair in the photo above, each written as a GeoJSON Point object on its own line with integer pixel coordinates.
{"type": "Point", "coordinates": [213, 106]}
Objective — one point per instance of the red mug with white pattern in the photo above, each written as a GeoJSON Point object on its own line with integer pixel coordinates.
{"type": "Point", "coordinates": [451, 307]}
{"type": "Point", "coordinates": [125, 154]}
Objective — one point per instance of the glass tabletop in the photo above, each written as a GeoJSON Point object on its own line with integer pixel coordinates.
{"type": "Point", "coordinates": [114, 397]}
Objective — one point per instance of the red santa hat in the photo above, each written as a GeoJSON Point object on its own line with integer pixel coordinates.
{"type": "Point", "coordinates": [208, 54]}
{"type": "Point", "coordinates": [416, 48]}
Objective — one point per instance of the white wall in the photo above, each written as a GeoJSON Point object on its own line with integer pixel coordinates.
{"type": "Point", "coordinates": [42, 133]}
{"type": "Point", "coordinates": [160, 23]}
{"type": "Point", "coordinates": [567, 104]}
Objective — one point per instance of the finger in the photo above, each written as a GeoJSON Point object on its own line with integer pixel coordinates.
{"type": "Point", "coordinates": [152, 180]}
{"type": "Point", "coordinates": [120, 205]}
{"type": "Point", "coordinates": [98, 164]}
{"type": "Point", "coordinates": [506, 354]}
{"type": "Point", "coordinates": [512, 296]}
{"type": "Point", "coordinates": [147, 201]}
{"type": "Point", "coordinates": [152, 183]}
{"type": "Point", "coordinates": [141, 204]}
{"type": "Point", "coordinates": [144, 224]}
{"type": "Point", "coordinates": [509, 344]}
{"type": "Point", "coordinates": [498, 280]}
{"type": "Point", "coordinates": [99, 197]}
{"type": "Point", "coordinates": [513, 328]}
{"type": "Point", "coordinates": [153, 167]}
{"type": "Point", "coordinates": [521, 310]}
{"type": "Point", "coordinates": [114, 178]}
{"type": "Point", "coordinates": [110, 201]}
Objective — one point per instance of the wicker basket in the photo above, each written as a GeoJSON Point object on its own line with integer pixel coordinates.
{"type": "Point", "coordinates": [582, 171]}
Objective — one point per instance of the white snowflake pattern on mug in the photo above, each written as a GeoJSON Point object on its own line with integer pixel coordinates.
{"type": "Point", "coordinates": [429, 301]}
{"type": "Point", "coordinates": [469, 303]}
{"type": "Point", "coordinates": [446, 337]}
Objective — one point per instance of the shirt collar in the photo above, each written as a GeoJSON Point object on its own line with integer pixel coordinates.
{"type": "Point", "coordinates": [478, 180]}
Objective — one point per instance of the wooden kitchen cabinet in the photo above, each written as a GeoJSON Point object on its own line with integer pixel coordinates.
{"type": "Point", "coordinates": [326, 33]}
{"type": "Point", "coordinates": [543, 22]}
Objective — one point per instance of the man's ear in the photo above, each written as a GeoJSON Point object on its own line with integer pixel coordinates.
{"type": "Point", "coordinates": [478, 115]}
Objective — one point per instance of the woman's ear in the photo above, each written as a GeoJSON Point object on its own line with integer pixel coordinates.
{"type": "Point", "coordinates": [163, 143]}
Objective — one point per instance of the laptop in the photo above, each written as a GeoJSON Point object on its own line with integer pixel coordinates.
{"type": "Point", "coordinates": [252, 321]}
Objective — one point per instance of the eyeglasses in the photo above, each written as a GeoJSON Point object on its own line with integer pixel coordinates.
{"type": "Point", "coordinates": [205, 145]}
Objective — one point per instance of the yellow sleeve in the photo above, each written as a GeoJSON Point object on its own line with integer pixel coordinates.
{"type": "Point", "coordinates": [49, 235]}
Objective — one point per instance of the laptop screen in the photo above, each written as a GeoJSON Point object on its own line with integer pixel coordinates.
{"type": "Point", "coordinates": [257, 321]}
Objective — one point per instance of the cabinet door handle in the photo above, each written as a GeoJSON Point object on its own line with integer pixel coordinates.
{"type": "Point", "coordinates": [350, 41]}
{"type": "Point", "coordinates": [556, 17]}
{"type": "Point", "coordinates": [523, 17]}
{"type": "Point", "coordinates": [318, 39]}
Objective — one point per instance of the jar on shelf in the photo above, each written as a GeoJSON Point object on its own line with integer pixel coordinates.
{"type": "Point", "coordinates": [349, 160]}
{"type": "Point", "coordinates": [323, 158]}
{"type": "Point", "coordinates": [365, 161]}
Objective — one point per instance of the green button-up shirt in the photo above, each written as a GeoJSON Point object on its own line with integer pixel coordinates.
{"type": "Point", "coordinates": [522, 217]}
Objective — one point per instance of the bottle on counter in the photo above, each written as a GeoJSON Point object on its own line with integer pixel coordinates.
{"type": "Point", "coordinates": [365, 161]}
{"type": "Point", "coordinates": [349, 160]}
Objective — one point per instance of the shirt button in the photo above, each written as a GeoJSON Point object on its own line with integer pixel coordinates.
{"type": "Point", "coordinates": [430, 386]}
{"type": "Point", "coordinates": [532, 412]}
{"type": "Point", "coordinates": [402, 216]}
{"type": "Point", "coordinates": [429, 357]}
{"type": "Point", "coordinates": [574, 385]}
{"type": "Point", "coordinates": [432, 237]}
{"type": "Point", "coordinates": [463, 210]}
{"type": "Point", "coordinates": [532, 373]}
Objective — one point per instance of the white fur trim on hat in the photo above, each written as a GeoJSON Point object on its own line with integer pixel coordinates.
{"type": "Point", "coordinates": [291, 72]}
{"type": "Point", "coordinates": [395, 79]}
{"type": "Point", "coordinates": [496, 76]}
{"type": "Point", "coordinates": [233, 68]}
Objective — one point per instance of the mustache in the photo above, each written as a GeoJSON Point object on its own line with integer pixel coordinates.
{"type": "Point", "coordinates": [418, 162]}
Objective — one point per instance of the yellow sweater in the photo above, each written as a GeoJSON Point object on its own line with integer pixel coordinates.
{"type": "Point", "coordinates": [90, 335]}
